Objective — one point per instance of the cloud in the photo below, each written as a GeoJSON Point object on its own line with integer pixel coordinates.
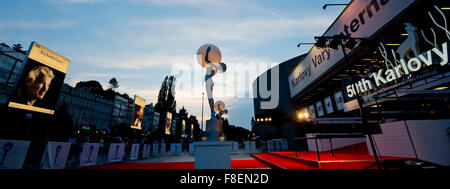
{"type": "Point", "coordinates": [79, 1]}
{"type": "Point", "coordinates": [133, 61]}
{"type": "Point", "coordinates": [88, 76]}
{"type": "Point", "coordinates": [250, 30]}
{"type": "Point", "coordinates": [51, 24]}
{"type": "Point", "coordinates": [201, 3]}
{"type": "Point", "coordinates": [215, 7]}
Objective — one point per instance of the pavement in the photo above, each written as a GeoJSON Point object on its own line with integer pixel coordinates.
{"type": "Point", "coordinates": [185, 157]}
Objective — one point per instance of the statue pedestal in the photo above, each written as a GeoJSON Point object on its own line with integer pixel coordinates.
{"type": "Point", "coordinates": [213, 154]}
{"type": "Point", "coordinates": [213, 129]}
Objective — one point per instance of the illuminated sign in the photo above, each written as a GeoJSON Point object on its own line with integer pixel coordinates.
{"type": "Point", "coordinates": [138, 113]}
{"type": "Point", "coordinates": [384, 77]}
{"type": "Point", "coordinates": [360, 19]}
{"type": "Point", "coordinates": [328, 105]}
{"type": "Point", "coordinates": [168, 123]}
{"type": "Point", "coordinates": [192, 130]}
{"type": "Point", "coordinates": [319, 108]}
{"type": "Point", "coordinates": [40, 80]}
{"type": "Point", "coordinates": [183, 129]}
{"type": "Point", "coordinates": [339, 100]}
{"type": "Point", "coordinates": [312, 111]}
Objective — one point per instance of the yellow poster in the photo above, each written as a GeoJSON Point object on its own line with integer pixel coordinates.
{"type": "Point", "coordinates": [138, 113]}
{"type": "Point", "coordinates": [40, 81]}
{"type": "Point", "coordinates": [168, 123]}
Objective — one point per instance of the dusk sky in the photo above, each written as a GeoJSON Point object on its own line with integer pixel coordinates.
{"type": "Point", "coordinates": [139, 42]}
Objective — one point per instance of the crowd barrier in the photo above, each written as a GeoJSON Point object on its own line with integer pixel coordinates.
{"type": "Point", "coordinates": [16, 154]}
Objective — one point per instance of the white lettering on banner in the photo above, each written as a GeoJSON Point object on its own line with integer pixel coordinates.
{"type": "Point", "coordinates": [318, 59]}
{"type": "Point", "coordinates": [413, 65]}
{"type": "Point", "coordinates": [360, 19]}
{"type": "Point", "coordinates": [305, 73]}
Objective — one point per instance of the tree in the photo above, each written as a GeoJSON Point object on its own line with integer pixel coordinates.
{"type": "Point", "coordinates": [196, 132]}
{"type": "Point", "coordinates": [113, 83]}
{"type": "Point", "coordinates": [108, 94]}
{"type": "Point", "coordinates": [166, 99]}
{"type": "Point", "coordinates": [166, 102]}
{"type": "Point", "coordinates": [61, 125]}
{"type": "Point", "coordinates": [92, 86]}
{"type": "Point", "coordinates": [17, 47]}
{"type": "Point", "coordinates": [235, 133]}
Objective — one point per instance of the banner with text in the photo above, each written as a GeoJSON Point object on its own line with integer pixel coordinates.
{"type": "Point", "coordinates": [13, 153]}
{"type": "Point", "coordinates": [89, 155]}
{"type": "Point", "coordinates": [55, 155]}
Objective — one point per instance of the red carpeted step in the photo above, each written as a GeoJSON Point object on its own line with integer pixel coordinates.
{"type": "Point", "coordinates": [279, 162]}
{"type": "Point", "coordinates": [248, 164]}
{"type": "Point", "coordinates": [350, 157]}
{"type": "Point", "coordinates": [294, 157]}
{"type": "Point", "coordinates": [126, 165]}
{"type": "Point", "coordinates": [346, 164]}
{"type": "Point", "coordinates": [235, 164]}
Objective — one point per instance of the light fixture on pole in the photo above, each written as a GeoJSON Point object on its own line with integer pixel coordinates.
{"type": "Point", "coordinates": [339, 4]}
{"type": "Point", "coordinates": [351, 43]}
{"type": "Point", "coordinates": [335, 41]}
{"type": "Point", "coordinates": [321, 42]}
{"type": "Point", "coordinates": [305, 44]}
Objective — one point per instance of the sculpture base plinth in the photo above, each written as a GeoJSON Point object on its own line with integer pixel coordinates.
{"type": "Point", "coordinates": [212, 155]}
{"type": "Point", "coordinates": [213, 129]}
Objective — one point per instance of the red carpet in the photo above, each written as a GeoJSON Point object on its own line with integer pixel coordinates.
{"type": "Point", "coordinates": [277, 162]}
{"type": "Point", "coordinates": [353, 152]}
{"type": "Point", "coordinates": [235, 164]}
{"type": "Point", "coordinates": [351, 157]}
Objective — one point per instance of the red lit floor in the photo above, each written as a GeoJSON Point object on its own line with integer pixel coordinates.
{"type": "Point", "coordinates": [352, 157]}
{"type": "Point", "coordinates": [235, 164]}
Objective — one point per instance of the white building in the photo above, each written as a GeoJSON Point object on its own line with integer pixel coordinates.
{"type": "Point", "coordinates": [86, 108]}
{"type": "Point", "coordinates": [122, 111]}
{"type": "Point", "coordinates": [103, 112]}
{"type": "Point", "coordinates": [151, 119]}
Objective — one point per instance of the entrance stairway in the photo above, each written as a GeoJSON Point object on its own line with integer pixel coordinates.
{"type": "Point", "coordinates": [351, 157]}
{"type": "Point", "coordinates": [275, 161]}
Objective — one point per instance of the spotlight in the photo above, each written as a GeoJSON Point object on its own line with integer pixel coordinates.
{"type": "Point", "coordinates": [351, 43]}
{"type": "Point", "coordinates": [335, 42]}
{"type": "Point", "coordinates": [300, 116]}
{"type": "Point", "coordinates": [321, 42]}
{"type": "Point", "coordinates": [306, 115]}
